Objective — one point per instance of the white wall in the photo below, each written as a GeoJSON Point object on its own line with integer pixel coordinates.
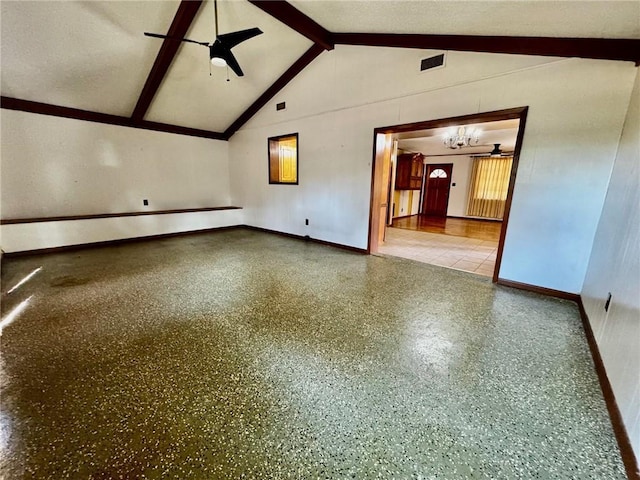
{"type": "Point", "coordinates": [59, 166]}
{"type": "Point", "coordinates": [34, 236]}
{"type": "Point", "coordinates": [55, 166]}
{"type": "Point", "coordinates": [401, 201]}
{"type": "Point", "coordinates": [615, 267]}
{"type": "Point", "coordinates": [577, 108]}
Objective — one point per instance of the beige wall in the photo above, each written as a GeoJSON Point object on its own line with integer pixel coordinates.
{"type": "Point", "coordinates": [615, 267]}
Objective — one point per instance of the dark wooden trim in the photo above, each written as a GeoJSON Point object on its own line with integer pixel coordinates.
{"type": "Point", "coordinates": [106, 118]}
{"type": "Point", "coordinates": [181, 22]}
{"type": "Point", "coordinates": [515, 161]}
{"type": "Point", "coordinates": [477, 219]}
{"type": "Point", "coordinates": [458, 154]}
{"type": "Point", "coordinates": [625, 49]}
{"type": "Point", "coordinates": [278, 85]}
{"type": "Point", "coordinates": [484, 117]}
{"type": "Point", "coordinates": [179, 130]}
{"type": "Point", "coordinates": [294, 18]}
{"type": "Point", "coordinates": [307, 238]}
{"type": "Point", "coordinates": [109, 243]}
{"type": "Point", "coordinates": [112, 243]}
{"type": "Point", "coordinates": [541, 290]}
{"type": "Point", "coordinates": [14, 221]}
{"type": "Point", "coordinates": [624, 443]}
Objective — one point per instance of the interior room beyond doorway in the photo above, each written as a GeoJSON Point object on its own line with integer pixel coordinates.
{"type": "Point", "coordinates": [447, 194]}
{"type": "Point", "coordinates": [463, 244]}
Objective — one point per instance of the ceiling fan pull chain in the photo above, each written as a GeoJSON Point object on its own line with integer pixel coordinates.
{"type": "Point", "coordinates": [227, 73]}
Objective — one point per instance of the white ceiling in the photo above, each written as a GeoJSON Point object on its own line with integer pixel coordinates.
{"type": "Point", "coordinates": [93, 55]}
{"type": "Point", "coordinates": [88, 55]}
{"type": "Point", "coordinates": [574, 18]}
{"type": "Point", "coordinates": [430, 142]}
{"type": "Point", "coordinates": [191, 98]}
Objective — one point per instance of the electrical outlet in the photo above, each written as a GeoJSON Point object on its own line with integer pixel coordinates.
{"type": "Point", "coordinates": [145, 202]}
{"type": "Point", "coordinates": [306, 221]}
{"type": "Point", "coordinates": [607, 303]}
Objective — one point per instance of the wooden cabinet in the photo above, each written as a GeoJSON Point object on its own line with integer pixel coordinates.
{"type": "Point", "coordinates": [409, 171]}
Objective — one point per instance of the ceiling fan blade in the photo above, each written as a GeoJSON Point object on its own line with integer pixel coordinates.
{"type": "Point", "coordinates": [234, 38]}
{"type": "Point", "coordinates": [157, 35]}
{"type": "Point", "coordinates": [233, 63]}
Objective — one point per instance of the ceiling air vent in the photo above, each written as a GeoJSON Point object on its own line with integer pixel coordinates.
{"type": "Point", "coordinates": [281, 106]}
{"type": "Point", "coordinates": [432, 62]}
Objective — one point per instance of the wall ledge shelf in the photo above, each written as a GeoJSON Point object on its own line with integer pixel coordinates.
{"type": "Point", "coordinates": [14, 221]}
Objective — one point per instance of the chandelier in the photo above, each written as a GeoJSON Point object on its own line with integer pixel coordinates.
{"type": "Point", "coordinates": [462, 138]}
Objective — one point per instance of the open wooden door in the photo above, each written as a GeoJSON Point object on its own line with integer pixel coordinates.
{"type": "Point", "coordinates": [380, 190]}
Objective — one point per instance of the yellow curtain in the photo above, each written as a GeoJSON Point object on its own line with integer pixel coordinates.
{"type": "Point", "coordinates": [489, 185]}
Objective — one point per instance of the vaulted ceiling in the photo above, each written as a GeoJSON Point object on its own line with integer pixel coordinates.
{"type": "Point", "coordinates": [90, 59]}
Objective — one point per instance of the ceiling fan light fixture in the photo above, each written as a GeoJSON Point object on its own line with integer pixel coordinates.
{"type": "Point", "coordinates": [460, 138]}
{"type": "Point", "coordinates": [220, 54]}
{"type": "Point", "coordinates": [496, 152]}
{"type": "Point", "coordinates": [218, 62]}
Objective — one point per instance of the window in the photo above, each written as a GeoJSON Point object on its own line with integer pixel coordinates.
{"type": "Point", "coordinates": [489, 186]}
{"type": "Point", "coordinates": [283, 159]}
{"type": "Point", "coordinates": [438, 173]}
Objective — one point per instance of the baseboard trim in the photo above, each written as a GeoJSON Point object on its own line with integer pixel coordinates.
{"type": "Point", "coordinates": [541, 290]}
{"type": "Point", "coordinates": [308, 239]}
{"type": "Point", "coordinates": [479, 219]}
{"type": "Point", "coordinates": [624, 442]}
{"type": "Point", "coordinates": [622, 437]}
{"type": "Point", "coordinates": [110, 243]}
{"type": "Point", "coordinates": [119, 241]}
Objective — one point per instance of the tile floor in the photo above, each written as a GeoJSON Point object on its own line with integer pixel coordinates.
{"type": "Point", "coordinates": [460, 253]}
{"type": "Point", "coordinates": [241, 354]}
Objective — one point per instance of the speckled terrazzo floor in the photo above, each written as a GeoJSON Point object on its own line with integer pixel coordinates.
{"type": "Point", "coordinates": [241, 354]}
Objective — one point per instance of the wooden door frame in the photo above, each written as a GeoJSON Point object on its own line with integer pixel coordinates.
{"type": "Point", "coordinates": [519, 113]}
{"type": "Point", "coordinates": [426, 181]}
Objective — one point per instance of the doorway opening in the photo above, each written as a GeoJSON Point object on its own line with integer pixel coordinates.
{"type": "Point", "coordinates": [444, 203]}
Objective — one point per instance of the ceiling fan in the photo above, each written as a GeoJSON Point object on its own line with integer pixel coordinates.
{"type": "Point", "coordinates": [495, 153]}
{"type": "Point", "coordinates": [220, 49]}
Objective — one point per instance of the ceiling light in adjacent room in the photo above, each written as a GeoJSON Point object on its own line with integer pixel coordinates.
{"type": "Point", "coordinates": [496, 152]}
{"type": "Point", "coordinates": [461, 138]}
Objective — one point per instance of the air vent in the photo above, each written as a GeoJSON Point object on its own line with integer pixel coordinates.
{"type": "Point", "coordinates": [281, 106]}
{"type": "Point", "coordinates": [432, 62]}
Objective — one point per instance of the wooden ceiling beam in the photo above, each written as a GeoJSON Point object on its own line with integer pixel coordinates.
{"type": "Point", "coordinates": [179, 27]}
{"type": "Point", "coordinates": [294, 18]}
{"type": "Point", "coordinates": [278, 85]}
{"type": "Point", "coordinates": [596, 48]}
{"type": "Point", "coordinates": [10, 103]}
